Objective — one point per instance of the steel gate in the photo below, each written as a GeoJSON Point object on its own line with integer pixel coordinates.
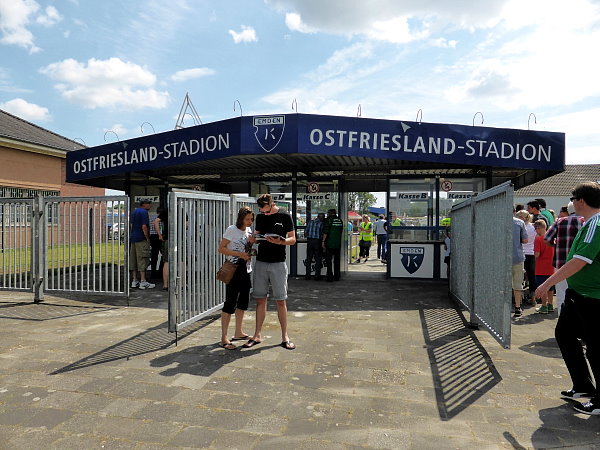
{"type": "Point", "coordinates": [196, 225]}
{"type": "Point", "coordinates": [65, 244]}
{"type": "Point", "coordinates": [480, 270]}
{"type": "Point", "coordinates": [18, 253]}
{"type": "Point", "coordinates": [86, 242]}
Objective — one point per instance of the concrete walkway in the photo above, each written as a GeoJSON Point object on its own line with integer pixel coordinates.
{"type": "Point", "coordinates": [379, 364]}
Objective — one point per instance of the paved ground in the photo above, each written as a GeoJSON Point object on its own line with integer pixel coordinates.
{"type": "Point", "coordinates": [379, 364]}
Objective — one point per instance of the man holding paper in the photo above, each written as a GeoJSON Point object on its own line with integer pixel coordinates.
{"type": "Point", "coordinates": [274, 230]}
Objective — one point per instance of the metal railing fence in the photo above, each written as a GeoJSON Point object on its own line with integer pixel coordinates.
{"type": "Point", "coordinates": [64, 244]}
{"type": "Point", "coordinates": [481, 261]}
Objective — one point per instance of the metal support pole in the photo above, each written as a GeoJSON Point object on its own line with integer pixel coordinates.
{"type": "Point", "coordinates": [37, 246]}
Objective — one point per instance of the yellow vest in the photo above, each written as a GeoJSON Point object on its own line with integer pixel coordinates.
{"type": "Point", "coordinates": [366, 231]}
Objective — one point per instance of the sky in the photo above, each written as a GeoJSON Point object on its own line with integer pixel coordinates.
{"type": "Point", "coordinates": [98, 71]}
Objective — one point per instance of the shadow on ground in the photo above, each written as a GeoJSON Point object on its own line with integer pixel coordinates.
{"type": "Point", "coordinates": [46, 311]}
{"type": "Point", "coordinates": [462, 369]}
{"type": "Point", "coordinates": [151, 340]}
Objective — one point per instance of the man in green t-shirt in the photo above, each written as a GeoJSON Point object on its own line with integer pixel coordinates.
{"type": "Point", "coordinates": [332, 244]}
{"type": "Point", "coordinates": [581, 310]}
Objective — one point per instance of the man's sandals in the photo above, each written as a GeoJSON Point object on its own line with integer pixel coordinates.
{"type": "Point", "coordinates": [288, 345]}
{"type": "Point", "coordinates": [251, 343]}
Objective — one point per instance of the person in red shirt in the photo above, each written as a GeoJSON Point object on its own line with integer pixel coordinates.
{"type": "Point", "coordinates": [544, 254]}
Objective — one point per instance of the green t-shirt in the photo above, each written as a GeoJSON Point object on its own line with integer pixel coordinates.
{"type": "Point", "coordinates": [586, 246]}
{"type": "Point", "coordinates": [548, 215]}
{"type": "Point", "coordinates": [333, 228]}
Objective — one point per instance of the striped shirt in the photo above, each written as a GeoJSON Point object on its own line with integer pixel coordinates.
{"type": "Point", "coordinates": [562, 234]}
{"type": "Point", "coordinates": [314, 229]}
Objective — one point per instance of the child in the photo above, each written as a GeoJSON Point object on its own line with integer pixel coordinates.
{"type": "Point", "coordinates": [543, 264]}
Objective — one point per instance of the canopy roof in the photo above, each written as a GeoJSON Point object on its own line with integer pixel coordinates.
{"type": "Point", "coordinates": [234, 151]}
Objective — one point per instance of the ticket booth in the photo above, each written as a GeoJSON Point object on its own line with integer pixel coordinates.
{"type": "Point", "coordinates": [417, 209]}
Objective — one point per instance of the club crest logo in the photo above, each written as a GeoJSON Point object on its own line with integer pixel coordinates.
{"type": "Point", "coordinates": [412, 258]}
{"type": "Point", "coordinates": [269, 131]}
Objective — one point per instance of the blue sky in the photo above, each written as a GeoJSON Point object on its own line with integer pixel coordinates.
{"type": "Point", "coordinates": [85, 69]}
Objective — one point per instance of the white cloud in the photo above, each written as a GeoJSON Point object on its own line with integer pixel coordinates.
{"type": "Point", "coordinates": [444, 43]}
{"type": "Point", "coordinates": [386, 20]}
{"type": "Point", "coordinates": [51, 17]}
{"type": "Point", "coordinates": [14, 18]}
{"type": "Point", "coordinates": [294, 23]}
{"type": "Point", "coordinates": [248, 34]}
{"type": "Point", "coordinates": [189, 74]}
{"type": "Point", "coordinates": [25, 110]}
{"type": "Point", "coordinates": [110, 83]}
{"type": "Point", "coordinates": [343, 75]}
{"type": "Point", "coordinates": [547, 64]}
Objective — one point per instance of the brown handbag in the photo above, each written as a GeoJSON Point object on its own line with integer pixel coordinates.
{"type": "Point", "coordinates": [226, 272]}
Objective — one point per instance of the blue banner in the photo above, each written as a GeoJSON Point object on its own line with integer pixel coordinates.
{"type": "Point", "coordinates": [327, 135]}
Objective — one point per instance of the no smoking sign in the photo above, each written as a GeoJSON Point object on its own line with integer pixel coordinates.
{"type": "Point", "coordinates": [313, 188]}
{"type": "Point", "coordinates": [446, 185]}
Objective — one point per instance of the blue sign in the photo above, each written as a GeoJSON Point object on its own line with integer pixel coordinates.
{"type": "Point", "coordinates": [324, 135]}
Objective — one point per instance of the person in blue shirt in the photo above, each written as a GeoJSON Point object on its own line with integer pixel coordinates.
{"type": "Point", "coordinates": [314, 249]}
{"type": "Point", "coordinates": [139, 246]}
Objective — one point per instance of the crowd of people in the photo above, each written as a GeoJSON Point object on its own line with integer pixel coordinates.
{"type": "Point", "coordinates": [566, 258]}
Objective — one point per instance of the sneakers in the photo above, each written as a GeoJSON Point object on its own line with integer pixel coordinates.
{"type": "Point", "coordinates": [135, 283]}
{"type": "Point", "coordinates": [572, 393]}
{"type": "Point", "coordinates": [588, 408]}
{"type": "Point", "coordinates": [146, 285]}
{"type": "Point", "coordinates": [518, 312]}
{"type": "Point", "coordinates": [543, 310]}
{"type": "Point", "coordinates": [550, 307]}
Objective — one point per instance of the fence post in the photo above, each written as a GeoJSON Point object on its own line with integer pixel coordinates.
{"type": "Point", "coordinates": [37, 246]}
{"type": "Point", "coordinates": [473, 324]}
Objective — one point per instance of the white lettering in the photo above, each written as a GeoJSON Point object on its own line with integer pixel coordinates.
{"type": "Point", "coordinates": [397, 143]}
{"type": "Point", "coordinates": [384, 141]}
{"type": "Point", "coordinates": [316, 133]}
{"type": "Point", "coordinates": [504, 154]}
{"type": "Point", "coordinates": [524, 149]}
{"type": "Point", "coordinates": [211, 143]}
{"type": "Point", "coordinates": [364, 140]}
{"type": "Point", "coordinates": [330, 138]}
{"type": "Point", "coordinates": [449, 146]}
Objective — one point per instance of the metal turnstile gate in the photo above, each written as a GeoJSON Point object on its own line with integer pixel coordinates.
{"type": "Point", "coordinates": [196, 225]}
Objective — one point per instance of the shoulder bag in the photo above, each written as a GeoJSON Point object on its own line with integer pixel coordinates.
{"type": "Point", "coordinates": [226, 272]}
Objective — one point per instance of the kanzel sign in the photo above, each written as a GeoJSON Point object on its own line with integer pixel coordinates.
{"type": "Point", "coordinates": [327, 135]}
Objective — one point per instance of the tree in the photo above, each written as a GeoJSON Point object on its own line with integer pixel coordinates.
{"type": "Point", "coordinates": [360, 201]}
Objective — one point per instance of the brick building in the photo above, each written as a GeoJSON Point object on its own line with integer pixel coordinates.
{"type": "Point", "coordinates": [33, 161]}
